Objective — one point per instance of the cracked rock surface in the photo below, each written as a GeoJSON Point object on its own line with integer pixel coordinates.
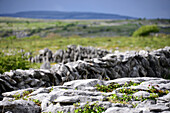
{"type": "Point", "coordinates": [77, 93]}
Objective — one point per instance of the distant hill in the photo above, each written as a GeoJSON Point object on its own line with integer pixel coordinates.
{"type": "Point", "coordinates": [65, 15]}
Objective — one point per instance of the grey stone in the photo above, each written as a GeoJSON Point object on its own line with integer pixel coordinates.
{"type": "Point", "coordinates": [34, 82]}
{"type": "Point", "coordinates": [165, 98]}
{"type": "Point", "coordinates": [40, 90]}
{"type": "Point", "coordinates": [6, 86]}
{"type": "Point", "coordinates": [9, 79]}
{"type": "Point", "coordinates": [39, 97]}
{"type": "Point", "coordinates": [66, 99]}
{"type": "Point", "coordinates": [146, 104]}
{"type": "Point", "coordinates": [122, 110]}
{"type": "Point", "coordinates": [43, 51]}
{"type": "Point", "coordinates": [81, 85]}
{"type": "Point", "coordinates": [73, 53]}
{"type": "Point", "coordinates": [19, 106]}
{"type": "Point", "coordinates": [17, 92]}
{"type": "Point", "coordinates": [63, 98]}
{"type": "Point", "coordinates": [158, 108]}
{"type": "Point", "coordinates": [165, 112]}
{"type": "Point", "coordinates": [141, 93]}
{"type": "Point", "coordinates": [137, 64]}
{"type": "Point", "coordinates": [45, 65]}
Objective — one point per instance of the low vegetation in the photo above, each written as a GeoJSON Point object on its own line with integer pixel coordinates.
{"type": "Point", "coordinates": [90, 108]}
{"type": "Point", "coordinates": [127, 96]}
{"type": "Point", "coordinates": [13, 62]}
{"type": "Point", "coordinates": [85, 28]}
{"type": "Point", "coordinates": [114, 43]}
{"type": "Point", "coordinates": [146, 30]}
{"type": "Point", "coordinates": [112, 86]}
{"type": "Point", "coordinates": [24, 96]}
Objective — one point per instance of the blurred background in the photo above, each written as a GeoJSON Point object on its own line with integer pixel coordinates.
{"type": "Point", "coordinates": [114, 25]}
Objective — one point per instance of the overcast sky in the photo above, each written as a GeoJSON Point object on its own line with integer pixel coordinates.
{"type": "Point", "coordinates": [135, 8]}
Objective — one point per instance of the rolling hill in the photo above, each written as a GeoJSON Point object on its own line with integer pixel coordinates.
{"type": "Point", "coordinates": [65, 15]}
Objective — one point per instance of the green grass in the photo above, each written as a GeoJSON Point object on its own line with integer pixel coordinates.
{"type": "Point", "coordinates": [55, 42]}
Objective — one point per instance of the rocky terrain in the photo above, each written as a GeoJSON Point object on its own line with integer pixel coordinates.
{"type": "Point", "coordinates": [72, 54]}
{"type": "Point", "coordinates": [144, 95]}
{"type": "Point", "coordinates": [49, 89]}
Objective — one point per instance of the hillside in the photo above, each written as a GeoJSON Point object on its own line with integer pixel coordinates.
{"type": "Point", "coordinates": [65, 15]}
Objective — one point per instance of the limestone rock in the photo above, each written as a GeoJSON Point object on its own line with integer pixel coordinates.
{"type": "Point", "coordinates": [45, 65]}
{"type": "Point", "coordinates": [19, 106]}
{"type": "Point", "coordinates": [141, 93]}
{"type": "Point", "coordinates": [75, 94]}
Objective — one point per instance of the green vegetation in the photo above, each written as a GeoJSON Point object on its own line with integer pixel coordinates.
{"type": "Point", "coordinates": [51, 89]}
{"type": "Point", "coordinates": [146, 30]}
{"type": "Point", "coordinates": [60, 111]}
{"type": "Point", "coordinates": [23, 95]}
{"type": "Point", "coordinates": [153, 89]}
{"type": "Point", "coordinates": [127, 96]}
{"type": "Point", "coordinates": [127, 91]}
{"type": "Point", "coordinates": [56, 42]}
{"type": "Point", "coordinates": [87, 108]}
{"type": "Point", "coordinates": [93, 108]}
{"type": "Point", "coordinates": [124, 100]}
{"type": "Point", "coordinates": [36, 101]}
{"type": "Point", "coordinates": [15, 61]}
{"type": "Point", "coordinates": [12, 62]}
{"type": "Point", "coordinates": [112, 86]}
{"type": "Point", "coordinates": [84, 28]}
{"type": "Point", "coordinates": [108, 88]}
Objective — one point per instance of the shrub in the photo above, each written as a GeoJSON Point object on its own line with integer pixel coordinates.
{"type": "Point", "coordinates": [12, 62]}
{"type": "Point", "coordinates": [146, 30]}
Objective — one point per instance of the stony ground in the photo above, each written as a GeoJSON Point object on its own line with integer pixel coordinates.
{"type": "Point", "coordinates": [87, 86]}
{"type": "Point", "coordinates": [116, 65]}
{"type": "Point", "coordinates": [123, 95]}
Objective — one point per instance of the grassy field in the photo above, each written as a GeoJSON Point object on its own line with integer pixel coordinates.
{"type": "Point", "coordinates": [57, 34]}
{"type": "Point", "coordinates": [84, 28]}
{"type": "Point", "coordinates": [111, 43]}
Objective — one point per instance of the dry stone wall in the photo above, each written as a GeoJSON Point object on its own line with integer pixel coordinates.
{"type": "Point", "coordinates": [73, 53]}
{"type": "Point", "coordinates": [116, 65]}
